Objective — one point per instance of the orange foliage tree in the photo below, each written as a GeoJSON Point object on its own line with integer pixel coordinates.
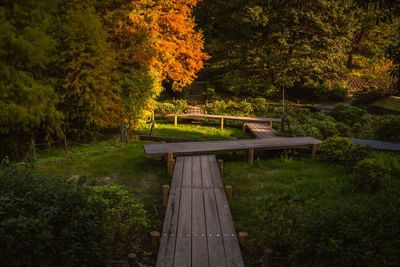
{"type": "Point", "coordinates": [165, 38]}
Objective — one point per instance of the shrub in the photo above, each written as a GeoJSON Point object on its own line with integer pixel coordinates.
{"type": "Point", "coordinates": [369, 175]}
{"type": "Point", "coordinates": [217, 107]}
{"type": "Point", "coordinates": [245, 108]}
{"type": "Point", "coordinates": [165, 108]}
{"type": "Point", "coordinates": [352, 232]}
{"type": "Point", "coordinates": [260, 105]}
{"type": "Point", "coordinates": [341, 150]}
{"type": "Point", "coordinates": [44, 222]}
{"type": "Point", "coordinates": [388, 128]}
{"type": "Point", "coordinates": [125, 218]}
{"type": "Point", "coordinates": [348, 114]}
{"type": "Point", "coordinates": [47, 222]}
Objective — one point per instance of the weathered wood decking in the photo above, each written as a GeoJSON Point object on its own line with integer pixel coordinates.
{"type": "Point", "coordinates": [198, 228]}
{"type": "Point", "coordinates": [222, 118]}
{"type": "Point", "coordinates": [260, 130]}
{"type": "Point", "coordinates": [381, 145]}
{"type": "Point", "coordinates": [206, 147]}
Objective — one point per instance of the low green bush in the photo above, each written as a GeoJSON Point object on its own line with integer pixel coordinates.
{"type": "Point", "coordinates": [351, 232]}
{"type": "Point", "coordinates": [348, 114]}
{"type": "Point", "coordinates": [342, 151]}
{"type": "Point", "coordinates": [369, 175]}
{"type": "Point", "coordinates": [387, 128]}
{"type": "Point", "coordinates": [168, 107]}
{"type": "Point", "coordinates": [48, 222]}
{"type": "Point", "coordinates": [260, 105]}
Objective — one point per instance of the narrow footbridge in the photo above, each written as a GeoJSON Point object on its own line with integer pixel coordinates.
{"type": "Point", "coordinates": [198, 228]}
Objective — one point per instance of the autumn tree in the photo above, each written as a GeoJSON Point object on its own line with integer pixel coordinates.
{"type": "Point", "coordinates": [155, 41]}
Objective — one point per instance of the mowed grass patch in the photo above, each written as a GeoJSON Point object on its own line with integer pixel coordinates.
{"type": "Point", "coordinates": [110, 162]}
{"type": "Point", "coordinates": [269, 196]}
{"type": "Point", "coordinates": [196, 132]}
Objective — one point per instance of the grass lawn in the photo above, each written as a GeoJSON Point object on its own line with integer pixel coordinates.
{"type": "Point", "coordinates": [193, 131]}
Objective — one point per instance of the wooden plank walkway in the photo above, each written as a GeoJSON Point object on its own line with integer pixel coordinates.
{"type": "Point", "coordinates": [222, 118]}
{"type": "Point", "coordinates": [381, 145]}
{"type": "Point", "coordinates": [198, 228]}
{"type": "Point", "coordinates": [207, 147]}
{"type": "Point", "coordinates": [260, 130]}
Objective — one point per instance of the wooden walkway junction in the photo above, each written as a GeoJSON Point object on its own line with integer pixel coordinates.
{"type": "Point", "coordinates": [260, 130]}
{"type": "Point", "coordinates": [381, 145]}
{"type": "Point", "coordinates": [208, 147]}
{"type": "Point", "coordinates": [222, 118]}
{"type": "Point", "coordinates": [198, 228]}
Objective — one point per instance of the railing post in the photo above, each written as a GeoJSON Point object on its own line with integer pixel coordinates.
{"type": "Point", "coordinates": [165, 193]}
{"type": "Point", "coordinates": [155, 240]}
{"type": "Point", "coordinates": [228, 192]}
{"type": "Point", "coordinates": [243, 237]}
{"type": "Point", "coordinates": [250, 157]}
{"type": "Point", "coordinates": [222, 123]}
{"type": "Point", "coordinates": [314, 150]}
{"type": "Point", "coordinates": [132, 260]}
{"type": "Point", "coordinates": [267, 257]}
{"type": "Point", "coordinates": [176, 120]}
{"type": "Point", "coordinates": [221, 166]}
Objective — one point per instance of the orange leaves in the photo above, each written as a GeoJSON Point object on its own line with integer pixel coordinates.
{"type": "Point", "coordinates": [164, 32]}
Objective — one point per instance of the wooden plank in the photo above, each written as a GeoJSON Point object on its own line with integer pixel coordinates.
{"type": "Point", "coordinates": [168, 236]}
{"type": "Point", "coordinates": [381, 145]}
{"type": "Point", "coordinates": [183, 251]}
{"type": "Point", "coordinates": [231, 243]}
{"type": "Point", "coordinates": [260, 130]}
{"type": "Point", "coordinates": [216, 250]}
{"type": "Point", "coordinates": [229, 145]}
{"type": "Point", "coordinates": [199, 234]}
{"type": "Point", "coordinates": [226, 117]}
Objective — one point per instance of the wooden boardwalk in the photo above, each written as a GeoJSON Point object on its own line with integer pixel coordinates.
{"type": "Point", "coordinates": [222, 118]}
{"type": "Point", "coordinates": [381, 145]}
{"type": "Point", "coordinates": [208, 147]}
{"type": "Point", "coordinates": [260, 130]}
{"type": "Point", "coordinates": [198, 228]}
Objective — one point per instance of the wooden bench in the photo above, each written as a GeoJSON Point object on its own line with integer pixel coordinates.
{"type": "Point", "coordinates": [208, 147]}
{"type": "Point", "coordinates": [223, 118]}
{"type": "Point", "coordinates": [260, 130]}
{"type": "Point", "coordinates": [198, 228]}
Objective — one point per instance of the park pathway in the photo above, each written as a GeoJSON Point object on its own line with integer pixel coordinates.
{"type": "Point", "coordinates": [198, 228]}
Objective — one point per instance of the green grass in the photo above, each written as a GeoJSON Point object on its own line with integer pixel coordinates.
{"type": "Point", "coordinates": [263, 192]}
{"type": "Point", "coordinates": [198, 132]}
{"type": "Point", "coordinates": [111, 162]}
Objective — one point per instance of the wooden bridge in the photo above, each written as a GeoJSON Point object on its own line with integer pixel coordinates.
{"type": "Point", "coordinates": [198, 228]}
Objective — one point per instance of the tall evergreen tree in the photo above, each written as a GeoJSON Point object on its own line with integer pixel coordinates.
{"type": "Point", "coordinates": [27, 97]}
{"type": "Point", "coordinates": [89, 92]}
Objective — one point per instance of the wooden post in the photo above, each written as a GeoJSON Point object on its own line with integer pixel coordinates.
{"type": "Point", "coordinates": [244, 127]}
{"type": "Point", "coordinates": [269, 124]}
{"type": "Point", "coordinates": [176, 120]}
{"type": "Point", "coordinates": [65, 144]}
{"type": "Point", "coordinates": [314, 150]}
{"type": "Point", "coordinates": [34, 149]}
{"type": "Point", "coordinates": [267, 257]}
{"type": "Point", "coordinates": [155, 240]}
{"type": "Point", "coordinates": [222, 123]}
{"type": "Point", "coordinates": [165, 193]}
{"type": "Point", "coordinates": [243, 237]}
{"type": "Point", "coordinates": [170, 167]}
{"type": "Point", "coordinates": [132, 260]}
{"type": "Point", "coordinates": [221, 166]}
{"type": "Point", "coordinates": [228, 192]}
{"type": "Point", "coordinates": [250, 157]}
